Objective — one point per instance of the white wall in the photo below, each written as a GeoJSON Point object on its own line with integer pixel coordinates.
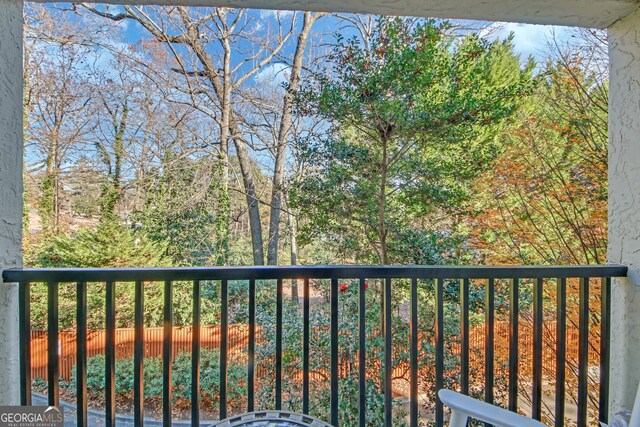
{"type": "Point", "coordinates": [10, 191]}
{"type": "Point", "coordinates": [624, 207]}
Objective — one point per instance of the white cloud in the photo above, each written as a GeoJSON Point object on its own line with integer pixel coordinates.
{"type": "Point", "coordinates": [274, 75]}
{"type": "Point", "coordinates": [123, 25]}
{"type": "Point", "coordinates": [268, 13]}
{"type": "Point", "coordinates": [528, 39]}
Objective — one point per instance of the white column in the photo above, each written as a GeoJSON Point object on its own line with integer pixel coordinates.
{"type": "Point", "coordinates": [11, 24]}
{"type": "Point", "coordinates": [624, 207]}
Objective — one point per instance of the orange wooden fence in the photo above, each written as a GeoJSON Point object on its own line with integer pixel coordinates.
{"type": "Point", "coordinates": [209, 337]}
{"type": "Point", "coordinates": [239, 336]}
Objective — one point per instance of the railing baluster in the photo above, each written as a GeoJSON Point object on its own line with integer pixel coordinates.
{"type": "Point", "coordinates": [334, 352]}
{"type": "Point", "coordinates": [224, 332]}
{"type": "Point", "coordinates": [388, 361]}
{"type": "Point", "coordinates": [488, 340]}
{"type": "Point", "coordinates": [138, 356]}
{"type": "Point", "coordinates": [439, 350]}
{"type": "Point", "coordinates": [414, 354]}
{"type": "Point", "coordinates": [53, 368]}
{"type": "Point", "coordinates": [583, 353]}
{"type": "Point", "coordinates": [464, 337]}
{"type": "Point", "coordinates": [279, 345]}
{"type": "Point", "coordinates": [251, 351]}
{"type": "Point", "coordinates": [81, 353]}
{"type": "Point", "coordinates": [561, 349]}
{"type": "Point", "coordinates": [195, 356]}
{"type": "Point", "coordinates": [24, 303]}
{"type": "Point", "coordinates": [305, 348]}
{"type": "Point", "coordinates": [605, 342]}
{"type": "Point", "coordinates": [536, 409]}
{"type": "Point", "coordinates": [167, 354]}
{"type": "Point", "coordinates": [362, 353]}
{"type": "Point", "coordinates": [514, 314]}
{"type": "Point", "coordinates": [110, 355]}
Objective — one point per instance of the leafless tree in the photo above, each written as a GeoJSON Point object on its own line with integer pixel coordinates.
{"type": "Point", "coordinates": [57, 97]}
{"type": "Point", "coordinates": [215, 69]}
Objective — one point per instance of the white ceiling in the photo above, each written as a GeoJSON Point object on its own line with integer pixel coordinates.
{"type": "Point", "coordinates": [584, 13]}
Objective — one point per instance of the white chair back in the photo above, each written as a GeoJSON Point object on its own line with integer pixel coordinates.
{"type": "Point", "coordinates": [464, 407]}
{"type": "Point", "coordinates": [635, 412]}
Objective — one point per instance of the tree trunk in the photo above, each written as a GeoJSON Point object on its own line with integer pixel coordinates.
{"type": "Point", "coordinates": [224, 206]}
{"type": "Point", "coordinates": [119, 151]}
{"type": "Point", "coordinates": [111, 191]}
{"type": "Point", "coordinates": [382, 230]}
{"type": "Point", "coordinates": [252, 198]}
{"type": "Point", "coordinates": [293, 230]}
{"type": "Point", "coordinates": [382, 199]}
{"type": "Point", "coordinates": [283, 134]}
{"type": "Point", "coordinates": [49, 203]}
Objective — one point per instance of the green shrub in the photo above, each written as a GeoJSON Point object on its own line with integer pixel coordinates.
{"type": "Point", "coordinates": [108, 245]}
{"type": "Point", "coordinates": [209, 379]}
{"type": "Point", "coordinates": [181, 378]}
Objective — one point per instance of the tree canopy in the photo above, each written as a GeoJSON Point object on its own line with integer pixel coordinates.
{"type": "Point", "coordinates": [414, 114]}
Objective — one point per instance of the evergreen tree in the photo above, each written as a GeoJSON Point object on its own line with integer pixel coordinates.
{"type": "Point", "coordinates": [413, 117]}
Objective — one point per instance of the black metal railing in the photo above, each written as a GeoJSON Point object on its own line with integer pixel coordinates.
{"type": "Point", "coordinates": [464, 278]}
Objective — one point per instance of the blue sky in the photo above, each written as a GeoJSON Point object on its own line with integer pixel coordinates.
{"type": "Point", "coordinates": [529, 39]}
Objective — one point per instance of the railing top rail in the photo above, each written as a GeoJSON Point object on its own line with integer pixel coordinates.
{"type": "Point", "coordinates": [312, 272]}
